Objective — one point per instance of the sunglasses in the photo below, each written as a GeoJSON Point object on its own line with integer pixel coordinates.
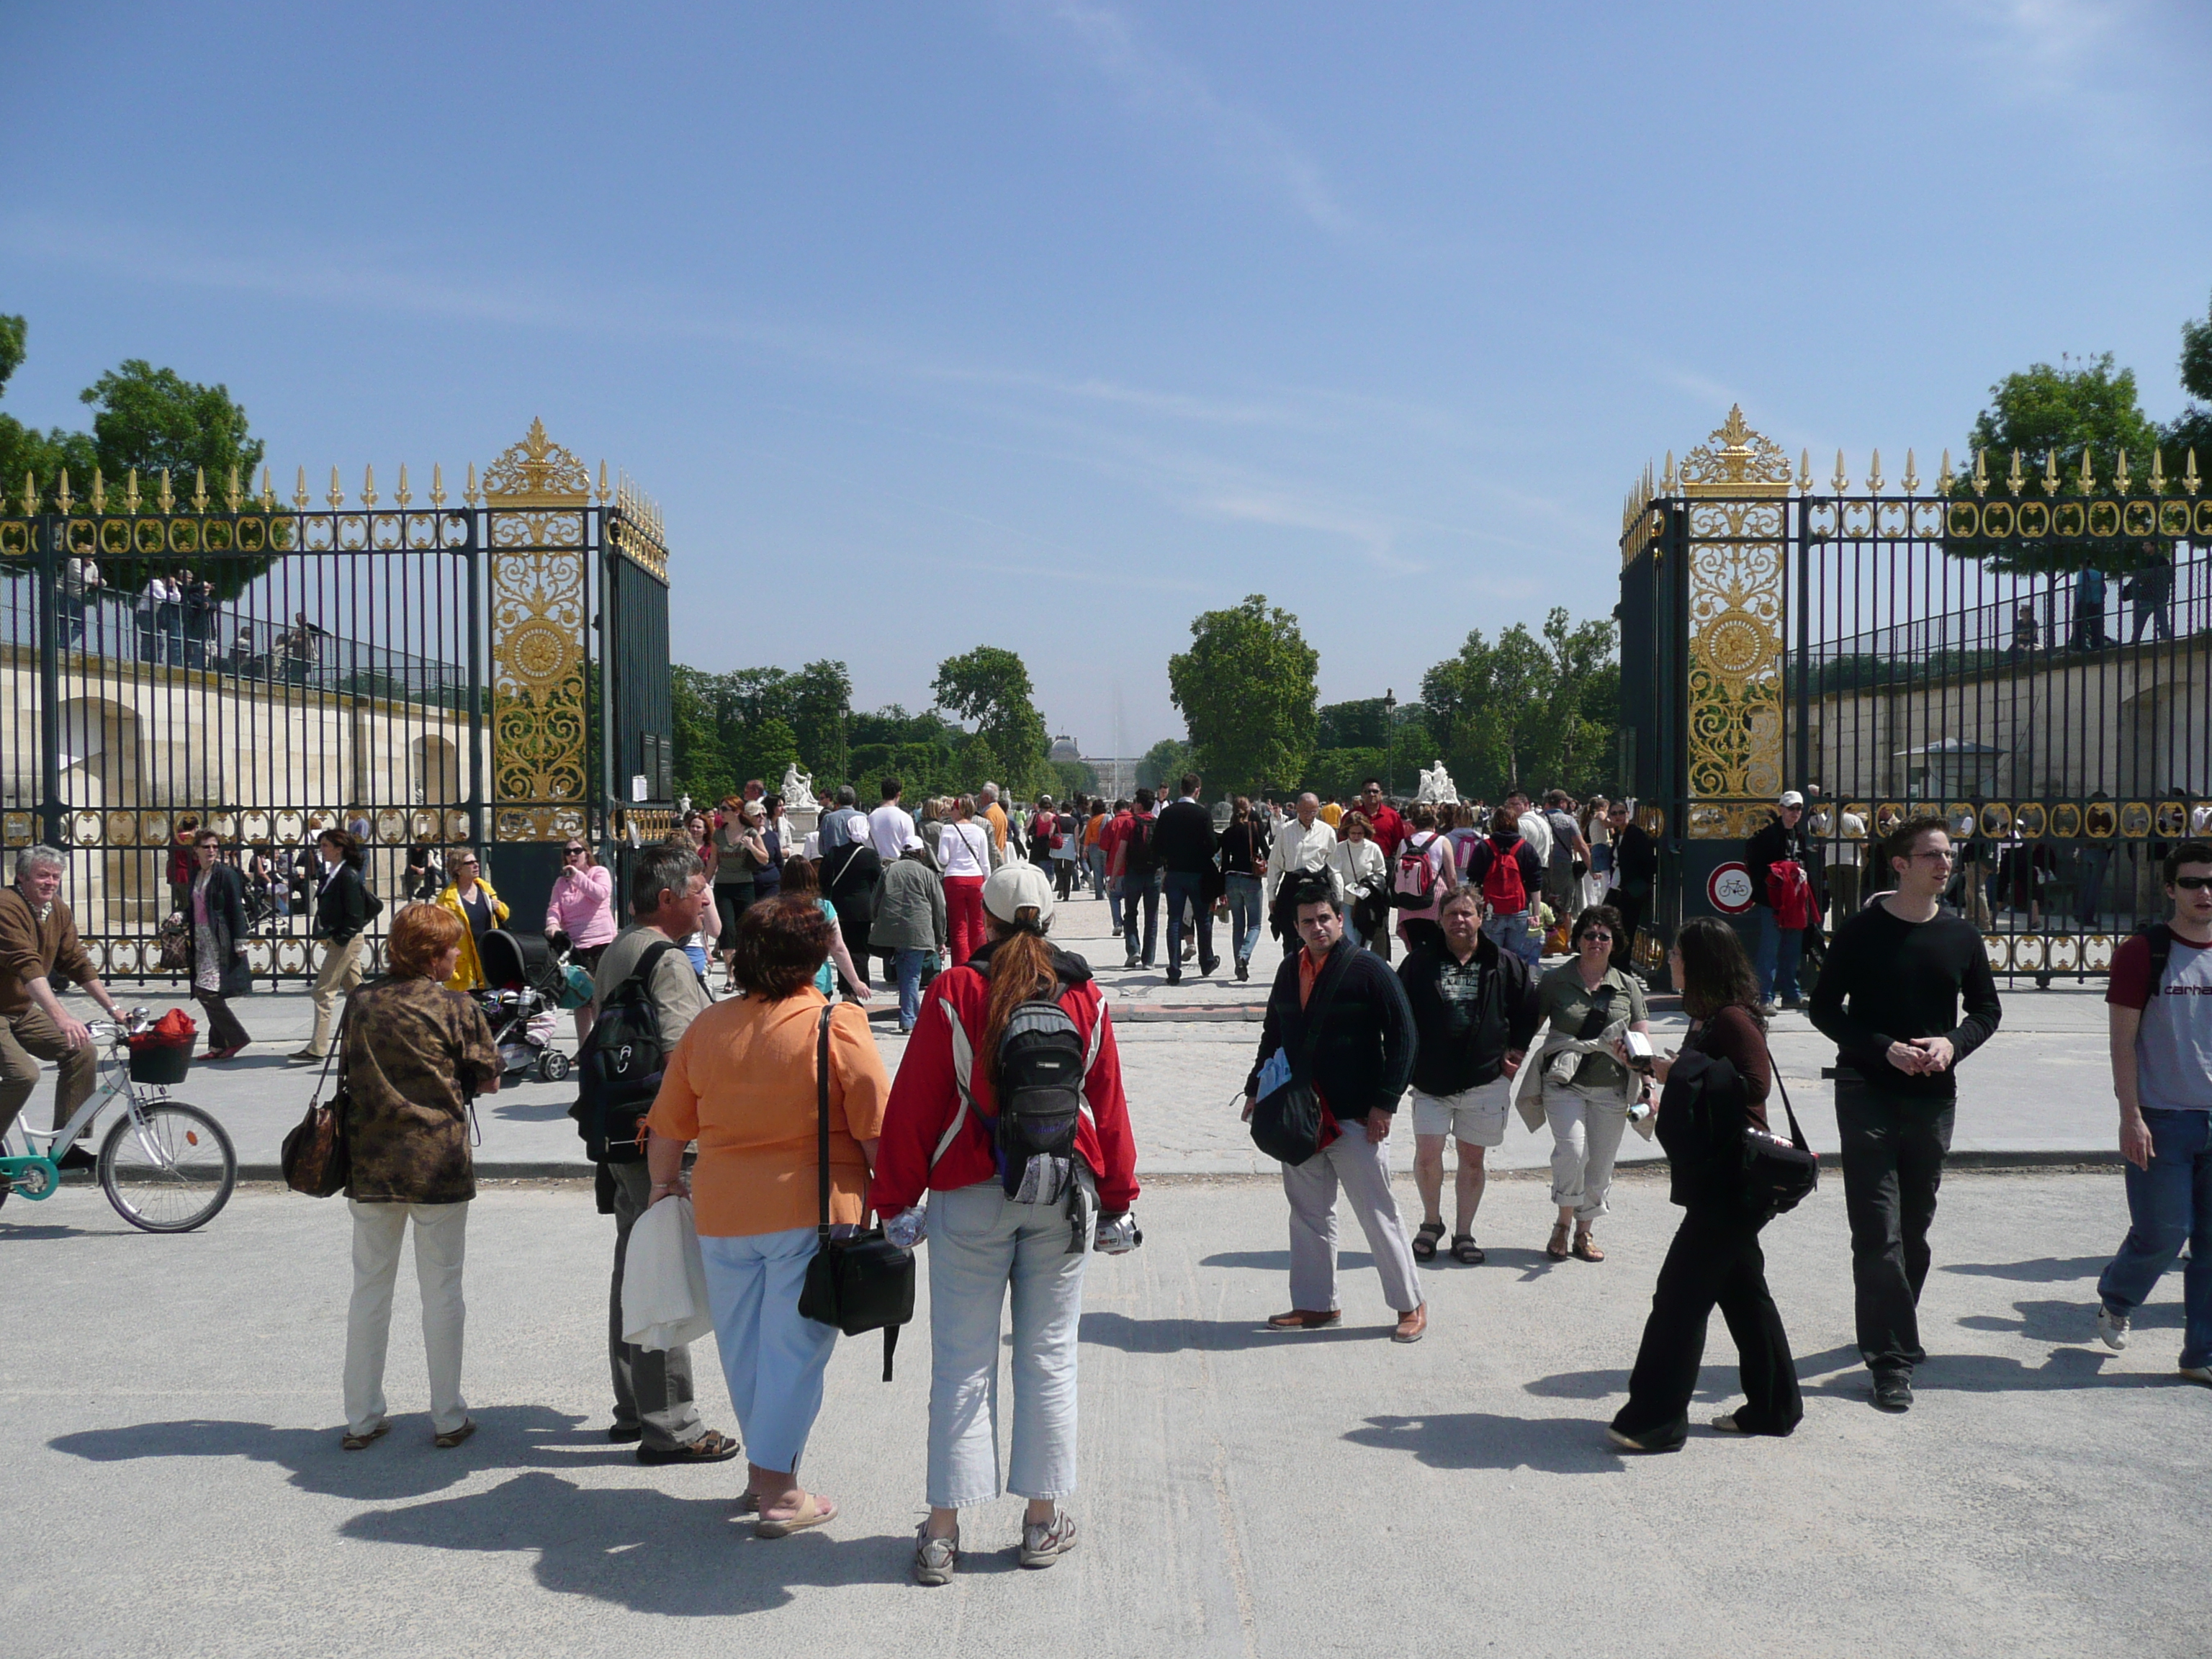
{"type": "Point", "coordinates": [571, 851]}
{"type": "Point", "coordinates": [2192, 884]}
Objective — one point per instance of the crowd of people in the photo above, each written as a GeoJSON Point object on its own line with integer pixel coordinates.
{"type": "Point", "coordinates": [1411, 969]}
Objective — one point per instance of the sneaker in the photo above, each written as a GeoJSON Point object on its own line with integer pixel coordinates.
{"type": "Point", "coordinates": [2112, 1329]}
{"type": "Point", "coordinates": [1174, 977]}
{"type": "Point", "coordinates": [1658, 1440]}
{"type": "Point", "coordinates": [2197, 1374]}
{"type": "Point", "coordinates": [1244, 971]}
{"type": "Point", "coordinates": [935, 1559]}
{"type": "Point", "coordinates": [1893, 1394]}
{"type": "Point", "coordinates": [1771, 1007]}
{"type": "Point", "coordinates": [1045, 1542]}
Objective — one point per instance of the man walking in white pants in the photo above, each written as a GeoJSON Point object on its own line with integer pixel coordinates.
{"type": "Point", "coordinates": [1340, 1013]}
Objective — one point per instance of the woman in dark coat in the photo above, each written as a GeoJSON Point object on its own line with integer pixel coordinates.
{"type": "Point", "coordinates": [214, 906]}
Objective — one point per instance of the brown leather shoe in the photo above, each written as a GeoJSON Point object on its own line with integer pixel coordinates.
{"type": "Point", "coordinates": [1305, 1319]}
{"type": "Point", "coordinates": [1412, 1326]}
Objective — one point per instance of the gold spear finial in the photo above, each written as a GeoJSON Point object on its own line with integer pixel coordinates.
{"type": "Point", "coordinates": [2120, 474]}
{"type": "Point", "coordinates": [437, 484]}
{"type": "Point", "coordinates": [603, 481]}
{"type": "Point", "coordinates": [1911, 479]}
{"type": "Point", "coordinates": [299, 497]}
{"type": "Point", "coordinates": [131, 495]}
{"type": "Point", "coordinates": [2088, 473]}
{"type": "Point", "coordinates": [2015, 480]}
{"type": "Point", "coordinates": [1804, 471]}
{"type": "Point", "coordinates": [469, 494]}
{"type": "Point", "coordinates": [30, 492]}
{"type": "Point", "coordinates": [99, 492]}
{"type": "Point", "coordinates": [1873, 475]}
{"type": "Point", "coordinates": [2157, 472]}
{"type": "Point", "coordinates": [199, 489]}
{"type": "Point", "coordinates": [1944, 480]}
{"type": "Point", "coordinates": [368, 486]}
{"type": "Point", "coordinates": [2189, 473]}
{"type": "Point", "coordinates": [1981, 472]}
{"type": "Point", "coordinates": [1843, 479]}
{"type": "Point", "coordinates": [336, 496]}
{"type": "Point", "coordinates": [61, 491]}
{"type": "Point", "coordinates": [268, 492]}
{"type": "Point", "coordinates": [400, 495]}
{"type": "Point", "coordinates": [1668, 482]}
{"type": "Point", "coordinates": [230, 495]}
{"type": "Point", "coordinates": [168, 501]}
{"type": "Point", "coordinates": [2052, 484]}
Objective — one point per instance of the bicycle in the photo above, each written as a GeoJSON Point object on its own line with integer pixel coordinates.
{"type": "Point", "coordinates": [165, 1166]}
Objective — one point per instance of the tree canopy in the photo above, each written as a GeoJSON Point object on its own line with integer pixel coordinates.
{"type": "Point", "coordinates": [1164, 761]}
{"type": "Point", "coordinates": [2193, 430]}
{"type": "Point", "coordinates": [991, 686]}
{"type": "Point", "coordinates": [1246, 688]}
{"type": "Point", "coordinates": [1533, 710]}
{"type": "Point", "coordinates": [755, 722]}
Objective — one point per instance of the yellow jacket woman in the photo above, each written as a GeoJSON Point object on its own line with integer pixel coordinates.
{"type": "Point", "coordinates": [471, 897]}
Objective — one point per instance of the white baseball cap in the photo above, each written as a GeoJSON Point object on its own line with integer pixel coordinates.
{"type": "Point", "coordinates": [1015, 887]}
{"type": "Point", "coordinates": [1791, 798]}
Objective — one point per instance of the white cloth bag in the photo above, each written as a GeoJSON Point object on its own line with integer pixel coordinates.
{"type": "Point", "coordinates": [664, 1279]}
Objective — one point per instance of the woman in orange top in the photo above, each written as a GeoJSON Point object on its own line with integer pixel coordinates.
{"type": "Point", "coordinates": [742, 1084]}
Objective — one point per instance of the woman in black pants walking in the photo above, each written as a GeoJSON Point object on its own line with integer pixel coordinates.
{"type": "Point", "coordinates": [1716, 1087]}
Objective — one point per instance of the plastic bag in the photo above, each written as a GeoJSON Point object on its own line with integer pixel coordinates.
{"type": "Point", "coordinates": [664, 1279]}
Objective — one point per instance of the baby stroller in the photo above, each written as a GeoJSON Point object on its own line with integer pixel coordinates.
{"type": "Point", "coordinates": [524, 987]}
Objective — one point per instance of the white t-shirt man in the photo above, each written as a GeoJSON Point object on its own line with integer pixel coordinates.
{"type": "Point", "coordinates": [1536, 830]}
{"type": "Point", "coordinates": [890, 826]}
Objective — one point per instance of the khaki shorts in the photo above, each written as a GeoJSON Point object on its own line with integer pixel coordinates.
{"type": "Point", "coordinates": [1476, 1115]}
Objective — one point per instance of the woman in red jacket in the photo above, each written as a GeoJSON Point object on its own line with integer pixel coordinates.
{"type": "Point", "coordinates": [1029, 1226]}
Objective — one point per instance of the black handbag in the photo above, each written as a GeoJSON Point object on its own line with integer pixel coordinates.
{"type": "Point", "coordinates": [863, 1282]}
{"type": "Point", "coordinates": [1778, 1174]}
{"type": "Point", "coordinates": [1287, 1120]}
{"type": "Point", "coordinates": [315, 1158]}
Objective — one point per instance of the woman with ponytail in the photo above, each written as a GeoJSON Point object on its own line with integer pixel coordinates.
{"type": "Point", "coordinates": [1026, 1220]}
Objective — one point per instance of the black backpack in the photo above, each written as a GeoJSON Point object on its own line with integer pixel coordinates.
{"type": "Point", "coordinates": [1042, 1063]}
{"type": "Point", "coordinates": [1137, 856]}
{"type": "Point", "coordinates": [618, 1068]}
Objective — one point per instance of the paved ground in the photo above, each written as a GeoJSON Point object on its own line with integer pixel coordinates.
{"type": "Point", "coordinates": [2041, 1086]}
{"type": "Point", "coordinates": [167, 1413]}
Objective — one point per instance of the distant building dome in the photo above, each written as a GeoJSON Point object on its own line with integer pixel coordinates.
{"type": "Point", "coordinates": [1065, 748]}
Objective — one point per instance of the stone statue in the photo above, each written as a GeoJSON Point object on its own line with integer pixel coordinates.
{"type": "Point", "coordinates": [1436, 788]}
{"type": "Point", "coordinates": [797, 787]}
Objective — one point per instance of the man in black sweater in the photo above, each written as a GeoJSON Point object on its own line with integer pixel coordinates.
{"type": "Point", "coordinates": [1475, 1013]}
{"type": "Point", "coordinates": [1184, 842]}
{"type": "Point", "coordinates": [1635, 868]}
{"type": "Point", "coordinates": [1361, 1058]}
{"type": "Point", "coordinates": [1889, 996]}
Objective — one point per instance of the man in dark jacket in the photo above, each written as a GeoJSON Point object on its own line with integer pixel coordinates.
{"type": "Point", "coordinates": [1474, 1013]}
{"type": "Point", "coordinates": [1358, 1060]}
{"type": "Point", "coordinates": [1635, 868]}
{"type": "Point", "coordinates": [1780, 948]}
{"type": "Point", "coordinates": [1184, 841]}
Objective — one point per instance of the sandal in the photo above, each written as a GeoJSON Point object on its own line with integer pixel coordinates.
{"type": "Point", "coordinates": [1557, 1250]}
{"type": "Point", "coordinates": [812, 1511]}
{"type": "Point", "coordinates": [1425, 1242]}
{"type": "Point", "coordinates": [1586, 1247]}
{"type": "Point", "coordinates": [352, 1442]}
{"type": "Point", "coordinates": [1466, 1251]}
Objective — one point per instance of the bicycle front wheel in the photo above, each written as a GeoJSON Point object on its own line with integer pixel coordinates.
{"type": "Point", "coordinates": [170, 1170]}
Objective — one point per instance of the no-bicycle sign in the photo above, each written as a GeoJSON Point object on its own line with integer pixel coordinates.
{"type": "Point", "coordinates": [1729, 888]}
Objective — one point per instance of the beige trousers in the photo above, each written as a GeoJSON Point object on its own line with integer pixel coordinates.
{"type": "Point", "coordinates": [26, 1039]}
{"type": "Point", "coordinates": [340, 973]}
{"type": "Point", "coordinates": [441, 1241]}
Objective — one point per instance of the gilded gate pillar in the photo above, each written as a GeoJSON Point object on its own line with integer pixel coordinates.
{"type": "Point", "coordinates": [1735, 488]}
{"type": "Point", "coordinates": [537, 501]}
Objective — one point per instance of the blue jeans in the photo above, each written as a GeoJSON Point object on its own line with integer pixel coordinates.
{"type": "Point", "coordinates": [1776, 959]}
{"type": "Point", "coordinates": [773, 1355]}
{"type": "Point", "coordinates": [911, 960]}
{"type": "Point", "coordinates": [1189, 890]}
{"type": "Point", "coordinates": [1247, 915]}
{"type": "Point", "coordinates": [2169, 1204]}
{"type": "Point", "coordinates": [1518, 935]}
{"type": "Point", "coordinates": [1096, 858]}
{"type": "Point", "coordinates": [1145, 891]}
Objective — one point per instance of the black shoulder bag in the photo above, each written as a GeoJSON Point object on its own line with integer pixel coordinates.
{"type": "Point", "coordinates": [1778, 1174]}
{"type": "Point", "coordinates": [863, 1283]}
{"type": "Point", "coordinates": [1287, 1120]}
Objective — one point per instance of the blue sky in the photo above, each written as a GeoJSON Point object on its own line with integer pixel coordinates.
{"type": "Point", "coordinates": [1050, 325]}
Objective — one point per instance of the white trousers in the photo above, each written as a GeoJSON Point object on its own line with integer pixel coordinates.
{"type": "Point", "coordinates": [1362, 1167]}
{"type": "Point", "coordinates": [1585, 1139]}
{"type": "Point", "coordinates": [441, 1241]}
{"type": "Point", "coordinates": [980, 1243]}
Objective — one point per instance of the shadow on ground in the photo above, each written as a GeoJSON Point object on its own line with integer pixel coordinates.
{"type": "Point", "coordinates": [1115, 1330]}
{"type": "Point", "coordinates": [2045, 1270]}
{"type": "Point", "coordinates": [1278, 1261]}
{"type": "Point", "coordinates": [1484, 1440]}
{"type": "Point", "coordinates": [403, 1464]}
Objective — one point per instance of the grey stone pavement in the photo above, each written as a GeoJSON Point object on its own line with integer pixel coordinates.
{"type": "Point", "coordinates": [2041, 1088]}
{"type": "Point", "coordinates": [169, 1411]}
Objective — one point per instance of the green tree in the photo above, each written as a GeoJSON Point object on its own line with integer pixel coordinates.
{"type": "Point", "coordinates": [703, 765]}
{"type": "Point", "coordinates": [991, 687]}
{"type": "Point", "coordinates": [1246, 691]}
{"type": "Point", "coordinates": [1361, 723]}
{"type": "Point", "coordinates": [1076, 778]}
{"type": "Point", "coordinates": [2193, 430]}
{"type": "Point", "coordinates": [820, 713]}
{"type": "Point", "coordinates": [26, 453]}
{"type": "Point", "coordinates": [1535, 711]}
{"type": "Point", "coordinates": [1164, 761]}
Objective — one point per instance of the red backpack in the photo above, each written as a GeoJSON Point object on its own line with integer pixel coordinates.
{"type": "Point", "coordinates": [1417, 876]}
{"type": "Point", "coordinates": [1503, 892]}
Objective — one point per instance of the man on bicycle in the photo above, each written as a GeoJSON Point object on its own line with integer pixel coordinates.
{"type": "Point", "coordinates": [37, 934]}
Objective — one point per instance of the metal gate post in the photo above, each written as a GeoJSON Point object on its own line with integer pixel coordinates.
{"type": "Point", "coordinates": [45, 582]}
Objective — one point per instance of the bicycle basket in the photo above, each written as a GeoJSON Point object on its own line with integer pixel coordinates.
{"type": "Point", "coordinates": [159, 1062]}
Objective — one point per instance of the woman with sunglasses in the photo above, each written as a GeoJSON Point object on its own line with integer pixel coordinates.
{"type": "Point", "coordinates": [580, 917]}
{"type": "Point", "coordinates": [471, 897]}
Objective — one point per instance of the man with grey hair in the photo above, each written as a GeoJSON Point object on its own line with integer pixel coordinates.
{"type": "Point", "coordinates": [37, 934]}
{"type": "Point", "coordinates": [987, 801]}
{"type": "Point", "coordinates": [653, 1404]}
{"type": "Point", "coordinates": [838, 823]}
{"type": "Point", "coordinates": [1300, 848]}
